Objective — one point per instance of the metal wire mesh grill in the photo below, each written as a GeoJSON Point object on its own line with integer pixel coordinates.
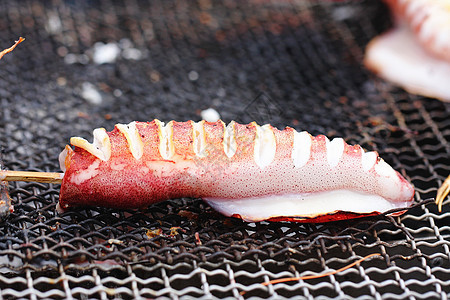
{"type": "Point", "coordinates": [288, 63]}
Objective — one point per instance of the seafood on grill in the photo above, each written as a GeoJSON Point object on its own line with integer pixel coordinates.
{"type": "Point", "coordinates": [415, 54]}
{"type": "Point", "coordinates": [247, 171]}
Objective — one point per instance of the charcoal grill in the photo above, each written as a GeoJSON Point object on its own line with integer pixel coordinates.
{"type": "Point", "coordinates": [289, 63]}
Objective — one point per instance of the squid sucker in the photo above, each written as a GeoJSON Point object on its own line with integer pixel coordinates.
{"type": "Point", "coordinates": [248, 171]}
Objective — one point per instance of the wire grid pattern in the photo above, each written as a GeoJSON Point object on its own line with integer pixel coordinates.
{"type": "Point", "coordinates": [288, 63]}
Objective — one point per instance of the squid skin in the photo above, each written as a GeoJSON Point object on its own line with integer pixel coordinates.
{"type": "Point", "coordinates": [247, 171]}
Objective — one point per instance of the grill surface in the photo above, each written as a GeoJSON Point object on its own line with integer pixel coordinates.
{"type": "Point", "coordinates": [291, 64]}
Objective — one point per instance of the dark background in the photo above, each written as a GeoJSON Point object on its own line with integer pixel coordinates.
{"type": "Point", "coordinates": [295, 64]}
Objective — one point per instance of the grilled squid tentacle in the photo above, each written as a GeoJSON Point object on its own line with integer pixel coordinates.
{"type": "Point", "coordinates": [248, 171]}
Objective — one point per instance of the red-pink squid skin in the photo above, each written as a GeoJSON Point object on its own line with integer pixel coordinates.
{"type": "Point", "coordinates": [421, 16]}
{"type": "Point", "coordinates": [125, 182]}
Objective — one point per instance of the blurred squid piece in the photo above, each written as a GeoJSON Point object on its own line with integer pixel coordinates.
{"type": "Point", "coordinates": [415, 54]}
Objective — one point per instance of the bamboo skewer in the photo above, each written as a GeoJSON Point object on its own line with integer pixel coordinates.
{"type": "Point", "coordinates": [45, 177]}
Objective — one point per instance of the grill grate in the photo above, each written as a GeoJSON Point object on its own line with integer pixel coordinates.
{"type": "Point", "coordinates": [288, 63]}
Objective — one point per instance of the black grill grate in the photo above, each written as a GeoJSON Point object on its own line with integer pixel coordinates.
{"type": "Point", "coordinates": [288, 63]}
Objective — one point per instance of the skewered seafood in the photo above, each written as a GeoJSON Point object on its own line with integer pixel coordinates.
{"type": "Point", "coordinates": [248, 171]}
